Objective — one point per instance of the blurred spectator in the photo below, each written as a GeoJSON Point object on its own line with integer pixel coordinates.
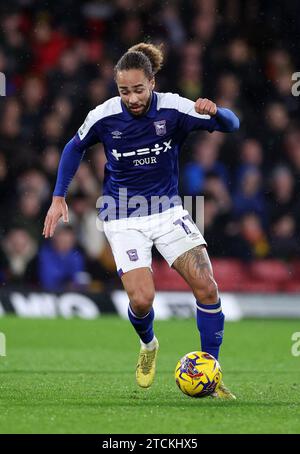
{"type": "Point", "coordinates": [278, 62]}
{"type": "Point", "coordinates": [49, 160]}
{"type": "Point", "coordinates": [10, 125]}
{"type": "Point", "coordinates": [252, 231]}
{"type": "Point", "coordinates": [17, 250]}
{"type": "Point", "coordinates": [276, 124]}
{"type": "Point", "coordinates": [292, 145]}
{"type": "Point", "coordinates": [68, 77]}
{"type": "Point", "coordinates": [10, 135]}
{"type": "Point", "coordinates": [282, 197]}
{"type": "Point", "coordinates": [205, 162]}
{"type": "Point", "coordinates": [61, 265]}
{"type": "Point", "coordinates": [29, 214]}
{"type": "Point", "coordinates": [131, 31]}
{"type": "Point", "coordinates": [82, 215]}
{"type": "Point", "coordinates": [190, 71]}
{"type": "Point", "coordinates": [99, 259]}
{"type": "Point", "coordinates": [97, 93]}
{"type": "Point", "coordinates": [214, 227]}
{"type": "Point", "coordinates": [33, 95]}
{"type": "Point", "coordinates": [33, 180]}
{"type": "Point", "coordinates": [216, 187]}
{"type": "Point", "coordinates": [251, 155]}
{"type": "Point", "coordinates": [204, 25]}
{"type": "Point", "coordinates": [85, 181]}
{"type": "Point", "coordinates": [173, 24]}
{"type": "Point", "coordinates": [284, 239]}
{"type": "Point", "coordinates": [17, 49]}
{"type": "Point", "coordinates": [6, 189]}
{"type": "Point", "coordinates": [228, 90]}
{"type": "Point", "coordinates": [63, 108]}
{"type": "Point", "coordinates": [52, 129]}
{"type": "Point", "coordinates": [248, 197]}
{"type": "Point", "coordinates": [279, 69]}
{"type": "Point", "coordinates": [47, 45]}
{"type": "Point", "coordinates": [277, 118]}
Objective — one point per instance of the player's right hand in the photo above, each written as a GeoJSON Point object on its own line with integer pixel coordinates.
{"type": "Point", "coordinates": [58, 209]}
{"type": "Point", "coordinates": [205, 107]}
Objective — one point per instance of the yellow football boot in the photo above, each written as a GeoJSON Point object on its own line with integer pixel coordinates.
{"type": "Point", "coordinates": [145, 369]}
{"type": "Point", "coordinates": [221, 392]}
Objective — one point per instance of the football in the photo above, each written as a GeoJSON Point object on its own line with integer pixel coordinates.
{"type": "Point", "coordinates": [198, 374]}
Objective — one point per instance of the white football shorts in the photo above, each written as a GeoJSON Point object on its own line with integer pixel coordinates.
{"type": "Point", "coordinates": [172, 232]}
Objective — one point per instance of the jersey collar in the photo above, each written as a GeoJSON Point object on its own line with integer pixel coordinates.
{"type": "Point", "coordinates": [151, 113]}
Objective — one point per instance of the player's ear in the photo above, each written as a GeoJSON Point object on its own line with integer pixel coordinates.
{"type": "Point", "coordinates": [152, 83]}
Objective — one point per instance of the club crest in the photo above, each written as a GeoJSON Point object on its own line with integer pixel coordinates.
{"type": "Point", "coordinates": [160, 127]}
{"type": "Point", "coordinates": [132, 254]}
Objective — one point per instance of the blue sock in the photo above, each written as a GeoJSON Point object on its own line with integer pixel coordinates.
{"type": "Point", "coordinates": [142, 325]}
{"type": "Point", "coordinates": [210, 322]}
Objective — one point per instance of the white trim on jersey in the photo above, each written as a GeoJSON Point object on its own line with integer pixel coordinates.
{"type": "Point", "coordinates": [182, 105]}
{"type": "Point", "coordinates": [110, 107]}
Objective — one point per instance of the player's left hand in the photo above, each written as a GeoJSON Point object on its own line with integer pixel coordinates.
{"type": "Point", "coordinates": [205, 107]}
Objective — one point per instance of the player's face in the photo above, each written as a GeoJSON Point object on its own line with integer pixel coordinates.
{"type": "Point", "coordinates": [135, 90]}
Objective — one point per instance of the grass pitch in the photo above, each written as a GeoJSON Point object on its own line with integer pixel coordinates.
{"type": "Point", "coordinates": [76, 376]}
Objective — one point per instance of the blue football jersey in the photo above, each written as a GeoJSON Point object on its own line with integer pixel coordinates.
{"type": "Point", "coordinates": [142, 151]}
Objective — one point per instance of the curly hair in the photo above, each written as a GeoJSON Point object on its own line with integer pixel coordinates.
{"type": "Point", "coordinates": [145, 56]}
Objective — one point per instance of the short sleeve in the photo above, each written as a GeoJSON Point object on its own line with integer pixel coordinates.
{"type": "Point", "coordinates": [86, 135]}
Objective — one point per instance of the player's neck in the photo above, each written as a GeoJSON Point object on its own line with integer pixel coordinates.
{"type": "Point", "coordinates": [149, 103]}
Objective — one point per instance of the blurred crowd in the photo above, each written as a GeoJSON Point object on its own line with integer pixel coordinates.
{"type": "Point", "coordinates": [58, 59]}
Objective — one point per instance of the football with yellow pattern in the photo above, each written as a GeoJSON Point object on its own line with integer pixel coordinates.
{"type": "Point", "coordinates": [198, 374]}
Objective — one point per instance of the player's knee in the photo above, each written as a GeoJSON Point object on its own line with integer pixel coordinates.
{"type": "Point", "coordinates": [206, 291]}
{"type": "Point", "coordinates": [141, 301]}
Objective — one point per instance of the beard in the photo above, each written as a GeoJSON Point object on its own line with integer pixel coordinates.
{"type": "Point", "coordinates": [140, 109]}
